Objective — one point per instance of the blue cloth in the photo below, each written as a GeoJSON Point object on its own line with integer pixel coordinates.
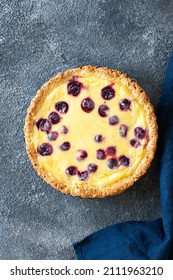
{"type": "Point", "coordinates": [151, 240]}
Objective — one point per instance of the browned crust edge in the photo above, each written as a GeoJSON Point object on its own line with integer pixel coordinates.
{"type": "Point", "coordinates": [84, 191]}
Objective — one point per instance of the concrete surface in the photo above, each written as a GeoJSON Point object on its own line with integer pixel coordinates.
{"type": "Point", "coordinates": [38, 39]}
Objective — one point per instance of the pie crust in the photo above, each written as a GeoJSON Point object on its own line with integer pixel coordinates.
{"type": "Point", "coordinates": [118, 179]}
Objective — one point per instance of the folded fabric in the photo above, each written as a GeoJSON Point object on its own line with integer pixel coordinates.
{"type": "Point", "coordinates": [151, 240]}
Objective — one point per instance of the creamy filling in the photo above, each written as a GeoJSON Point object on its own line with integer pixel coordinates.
{"type": "Point", "coordinates": [90, 129]}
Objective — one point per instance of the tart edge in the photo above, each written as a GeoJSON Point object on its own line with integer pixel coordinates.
{"type": "Point", "coordinates": [83, 190]}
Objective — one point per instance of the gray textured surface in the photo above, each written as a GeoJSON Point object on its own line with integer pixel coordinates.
{"type": "Point", "coordinates": [38, 39]}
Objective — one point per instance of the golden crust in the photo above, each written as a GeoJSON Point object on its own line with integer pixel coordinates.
{"type": "Point", "coordinates": [82, 189]}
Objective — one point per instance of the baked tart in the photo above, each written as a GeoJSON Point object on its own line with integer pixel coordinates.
{"type": "Point", "coordinates": [91, 132]}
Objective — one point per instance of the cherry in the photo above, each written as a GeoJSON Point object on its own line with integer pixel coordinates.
{"type": "Point", "coordinates": [74, 88]}
{"type": "Point", "coordinates": [43, 125]}
{"type": "Point", "coordinates": [71, 170]}
{"type": "Point", "coordinates": [64, 130]}
{"type": "Point", "coordinates": [112, 163]}
{"type": "Point", "coordinates": [110, 151]}
{"type": "Point", "coordinates": [99, 138]}
{"type": "Point", "coordinates": [65, 146]}
{"type": "Point", "coordinates": [123, 130]}
{"type": "Point", "coordinates": [102, 110]}
{"type": "Point", "coordinates": [113, 120]}
{"type": "Point", "coordinates": [45, 149]}
{"type": "Point", "coordinates": [108, 93]}
{"type": "Point", "coordinates": [140, 132]}
{"type": "Point", "coordinates": [87, 105]}
{"type": "Point", "coordinates": [83, 175]}
{"type": "Point", "coordinates": [125, 104]}
{"type": "Point", "coordinates": [92, 167]}
{"type": "Point", "coordinates": [54, 118]}
{"type": "Point", "coordinates": [101, 154]}
{"type": "Point", "coordinates": [52, 136]}
{"type": "Point", "coordinates": [81, 155]}
{"type": "Point", "coordinates": [62, 107]}
{"type": "Point", "coordinates": [124, 160]}
{"type": "Point", "coordinates": [134, 143]}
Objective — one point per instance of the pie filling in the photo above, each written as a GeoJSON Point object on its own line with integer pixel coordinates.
{"type": "Point", "coordinates": [90, 129]}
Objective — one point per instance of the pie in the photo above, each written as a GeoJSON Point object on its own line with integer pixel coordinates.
{"type": "Point", "coordinates": [91, 132]}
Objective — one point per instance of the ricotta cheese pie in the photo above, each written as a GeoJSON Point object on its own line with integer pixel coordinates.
{"type": "Point", "coordinates": [91, 132]}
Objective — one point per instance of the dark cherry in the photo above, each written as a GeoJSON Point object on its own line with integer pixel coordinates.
{"type": "Point", "coordinates": [87, 105]}
{"type": "Point", "coordinates": [45, 149]}
{"type": "Point", "coordinates": [54, 118]}
{"type": "Point", "coordinates": [52, 136]}
{"type": "Point", "coordinates": [74, 88]}
{"type": "Point", "coordinates": [101, 154]}
{"type": "Point", "coordinates": [102, 110]}
{"type": "Point", "coordinates": [125, 104]}
{"type": "Point", "coordinates": [71, 170]}
{"type": "Point", "coordinates": [110, 151]}
{"type": "Point", "coordinates": [140, 132]}
{"type": "Point", "coordinates": [124, 160]}
{"type": "Point", "coordinates": [62, 107]}
{"type": "Point", "coordinates": [65, 146]}
{"type": "Point", "coordinates": [92, 167]}
{"type": "Point", "coordinates": [99, 138]}
{"type": "Point", "coordinates": [64, 130]}
{"type": "Point", "coordinates": [81, 155]}
{"type": "Point", "coordinates": [83, 175]}
{"type": "Point", "coordinates": [134, 143]}
{"type": "Point", "coordinates": [43, 125]}
{"type": "Point", "coordinates": [113, 120]}
{"type": "Point", "coordinates": [112, 163]}
{"type": "Point", "coordinates": [123, 130]}
{"type": "Point", "coordinates": [108, 93]}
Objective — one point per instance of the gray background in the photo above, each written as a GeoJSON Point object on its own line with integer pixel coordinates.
{"type": "Point", "coordinates": [38, 39]}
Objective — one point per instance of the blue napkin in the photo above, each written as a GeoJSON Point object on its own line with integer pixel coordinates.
{"type": "Point", "coordinates": [151, 240]}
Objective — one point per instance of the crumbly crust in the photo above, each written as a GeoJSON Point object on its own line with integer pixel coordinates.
{"type": "Point", "coordinates": [83, 189]}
